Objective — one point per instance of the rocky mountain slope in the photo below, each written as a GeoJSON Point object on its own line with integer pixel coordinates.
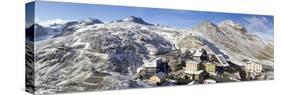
{"type": "Point", "coordinates": [234, 40]}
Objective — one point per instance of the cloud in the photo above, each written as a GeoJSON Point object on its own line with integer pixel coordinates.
{"type": "Point", "coordinates": [266, 36]}
{"type": "Point", "coordinates": [257, 24]}
{"type": "Point", "coordinates": [50, 22]}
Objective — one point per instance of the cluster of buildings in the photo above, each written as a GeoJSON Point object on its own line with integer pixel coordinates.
{"type": "Point", "coordinates": [198, 65]}
{"type": "Point", "coordinates": [155, 69]}
{"type": "Point", "coordinates": [201, 65]}
{"type": "Point", "coordinates": [253, 69]}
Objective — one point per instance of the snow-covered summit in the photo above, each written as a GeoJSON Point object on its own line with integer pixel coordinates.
{"type": "Point", "coordinates": [134, 19]}
{"type": "Point", "coordinates": [90, 21]}
{"type": "Point", "coordinates": [232, 24]}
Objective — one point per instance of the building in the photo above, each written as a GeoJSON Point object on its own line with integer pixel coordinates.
{"type": "Point", "coordinates": [204, 56]}
{"type": "Point", "coordinates": [196, 75]}
{"type": "Point", "coordinates": [150, 67]}
{"type": "Point", "coordinates": [212, 58]}
{"type": "Point", "coordinates": [219, 73]}
{"type": "Point", "coordinates": [158, 78]}
{"type": "Point", "coordinates": [192, 66]}
{"type": "Point", "coordinates": [210, 67]}
{"type": "Point", "coordinates": [253, 67]}
{"type": "Point", "coordinates": [194, 70]}
{"type": "Point", "coordinates": [162, 65]}
{"type": "Point", "coordinates": [200, 55]}
{"type": "Point", "coordinates": [196, 55]}
{"type": "Point", "coordinates": [149, 71]}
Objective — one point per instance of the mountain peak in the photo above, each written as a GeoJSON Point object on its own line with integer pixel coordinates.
{"type": "Point", "coordinates": [234, 25]}
{"type": "Point", "coordinates": [90, 21]}
{"type": "Point", "coordinates": [206, 26]}
{"type": "Point", "coordinates": [36, 25]}
{"type": "Point", "coordinates": [134, 19]}
{"type": "Point", "coordinates": [229, 23]}
{"type": "Point", "coordinates": [208, 23]}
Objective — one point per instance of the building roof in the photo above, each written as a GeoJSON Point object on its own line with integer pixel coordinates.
{"type": "Point", "coordinates": [197, 53]}
{"type": "Point", "coordinates": [252, 62]}
{"type": "Point", "coordinates": [209, 63]}
{"type": "Point", "coordinates": [152, 62]}
{"type": "Point", "coordinates": [222, 60]}
{"type": "Point", "coordinates": [191, 62]}
{"type": "Point", "coordinates": [161, 75]}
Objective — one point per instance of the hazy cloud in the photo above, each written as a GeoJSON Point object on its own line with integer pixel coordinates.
{"type": "Point", "coordinates": [257, 24]}
{"type": "Point", "coordinates": [49, 22]}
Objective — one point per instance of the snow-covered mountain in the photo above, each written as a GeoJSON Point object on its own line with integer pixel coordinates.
{"type": "Point", "coordinates": [55, 30]}
{"type": "Point", "coordinates": [134, 20]}
{"type": "Point", "coordinates": [92, 55]}
{"type": "Point", "coordinates": [42, 33]}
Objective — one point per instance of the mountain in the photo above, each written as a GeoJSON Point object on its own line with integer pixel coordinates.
{"type": "Point", "coordinates": [73, 26]}
{"type": "Point", "coordinates": [235, 41]}
{"type": "Point", "coordinates": [113, 51]}
{"type": "Point", "coordinates": [92, 55]}
{"type": "Point", "coordinates": [90, 21]}
{"type": "Point", "coordinates": [37, 32]}
{"type": "Point", "coordinates": [56, 30]}
{"type": "Point", "coordinates": [134, 20]}
{"type": "Point", "coordinates": [29, 33]}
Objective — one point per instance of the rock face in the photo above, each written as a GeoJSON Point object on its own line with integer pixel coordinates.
{"type": "Point", "coordinates": [92, 55]}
